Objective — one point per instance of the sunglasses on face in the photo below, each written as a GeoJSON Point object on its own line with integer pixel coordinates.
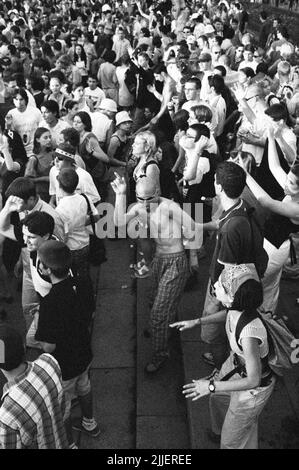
{"type": "Point", "coordinates": [255, 96]}
{"type": "Point", "coordinates": [150, 198]}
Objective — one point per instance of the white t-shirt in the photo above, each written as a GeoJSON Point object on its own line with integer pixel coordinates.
{"type": "Point", "coordinates": [56, 130]}
{"type": "Point", "coordinates": [96, 95]}
{"type": "Point", "coordinates": [125, 98]}
{"type": "Point", "coordinates": [219, 110]}
{"type": "Point", "coordinates": [26, 123]}
{"type": "Point", "coordinates": [73, 211]}
{"type": "Point", "coordinates": [85, 185]}
{"type": "Point", "coordinates": [100, 126]}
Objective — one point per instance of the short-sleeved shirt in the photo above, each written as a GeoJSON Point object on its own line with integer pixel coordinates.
{"type": "Point", "coordinates": [85, 185]}
{"type": "Point", "coordinates": [61, 322]}
{"type": "Point", "coordinates": [233, 243]}
{"type": "Point", "coordinates": [31, 415]}
{"type": "Point", "coordinates": [73, 212]}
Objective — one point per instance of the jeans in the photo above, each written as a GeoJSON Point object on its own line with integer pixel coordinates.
{"type": "Point", "coordinates": [235, 415]}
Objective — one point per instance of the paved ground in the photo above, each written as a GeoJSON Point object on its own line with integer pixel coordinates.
{"type": "Point", "coordinates": [140, 412]}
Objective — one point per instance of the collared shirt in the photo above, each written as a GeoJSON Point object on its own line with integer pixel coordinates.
{"type": "Point", "coordinates": [31, 416]}
{"type": "Point", "coordinates": [85, 186]}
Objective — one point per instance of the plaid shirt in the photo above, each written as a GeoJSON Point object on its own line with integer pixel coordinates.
{"type": "Point", "coordinates": [31, 415]}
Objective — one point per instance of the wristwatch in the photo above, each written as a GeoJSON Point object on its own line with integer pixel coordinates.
{"type": "Point", "coordinates": [212, 387]}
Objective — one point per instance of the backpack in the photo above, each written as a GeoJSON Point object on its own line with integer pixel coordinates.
{"type": "Point", "coordinates": [280, 340]}
{"type": "Point", "coordinates": [257, 237]}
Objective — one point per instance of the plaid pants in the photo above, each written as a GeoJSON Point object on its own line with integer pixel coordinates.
{"type": "Point", "coordinates": [169, 276]}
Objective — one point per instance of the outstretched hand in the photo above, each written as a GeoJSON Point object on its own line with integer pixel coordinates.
{"type": "Point", "coordinates": [184, 325]}
{"type": "Point", "coordinates": [119, 185]}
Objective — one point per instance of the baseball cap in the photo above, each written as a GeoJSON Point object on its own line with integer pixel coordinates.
{"type": "Point", "coordinates": [55, 255]}
{"type": "Point", "coordinates": [12, 350]}
{"type": "Point", "coordinates": [122, 116]}
{"type": "Point", "coordinates": [205, 57]}
{"type": "Point", "coordinates": [108, 105]}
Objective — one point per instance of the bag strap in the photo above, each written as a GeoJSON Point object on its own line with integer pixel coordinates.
{"type": "Point", "coordinates": [89, 212]}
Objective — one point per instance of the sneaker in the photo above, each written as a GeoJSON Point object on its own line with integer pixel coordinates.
{"type": "Point", "coordinates": [78, 426]}
{"type": "Point", "coordinates": [142, 272]}
{"type": "Point", "coordinates": [208, 358]}
{"type": "Point", "coordinates": [155, 364]}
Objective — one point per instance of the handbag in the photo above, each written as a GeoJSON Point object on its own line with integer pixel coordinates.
{"type": "Point", "coordinates": [97, 251]}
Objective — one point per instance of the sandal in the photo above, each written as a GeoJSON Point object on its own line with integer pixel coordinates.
{"type": "Point", "coordinates": [142, 272]}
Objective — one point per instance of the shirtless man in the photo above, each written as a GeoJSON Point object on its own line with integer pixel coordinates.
{"type": "Point", "coordinates": [165, 222]}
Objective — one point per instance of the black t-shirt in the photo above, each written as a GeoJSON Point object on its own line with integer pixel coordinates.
{"type": "Point", "coordinates": [233, 243]}
{"type": "Point", "coordinates": [62, 322]}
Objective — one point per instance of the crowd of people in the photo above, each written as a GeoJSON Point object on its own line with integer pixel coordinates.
{"type": "Point", "coordinates": [176, 116]}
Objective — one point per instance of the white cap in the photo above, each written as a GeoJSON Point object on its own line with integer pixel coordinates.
{"type": "Point", "coordinates": [122, 116]}
{"type": "Point", "coordinates": [209, 29]}
{"type": "Point", "coordinates": [108, 105]}
{"type": "Point", "coordinates": [106, 7]}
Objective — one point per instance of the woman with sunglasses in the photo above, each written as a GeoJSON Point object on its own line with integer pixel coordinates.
{"type": "Point", "coordinates": [237, 396]}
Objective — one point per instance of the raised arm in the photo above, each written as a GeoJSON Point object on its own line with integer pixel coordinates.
{"type": "Point", "coordinates": [121, 216]}
{"type": "Point", "coordinates": [13, 204]}
{"type": "Point", "coordinates": [274, 164]}
{"type": "Point", "coordinates": [4, 148]}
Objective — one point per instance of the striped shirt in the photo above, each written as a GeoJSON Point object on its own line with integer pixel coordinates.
{"type": "Point", "coordinates": [31, 415]}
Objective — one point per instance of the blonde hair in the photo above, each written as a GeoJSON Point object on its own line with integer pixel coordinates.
{"type": "Point", "coordinates": [150, 140]}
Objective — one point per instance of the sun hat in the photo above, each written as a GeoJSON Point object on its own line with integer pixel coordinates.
{"type": "Point", "coordinates": [106, 8]}
{"type": "Point", "coordinates": [122, 116]}
{"type": "Point", "coordinates": [108, 105]}
{"type": "Point", "coordinates": [209, 29]}
{"type": "Point", "coordinates": [64, 155]}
